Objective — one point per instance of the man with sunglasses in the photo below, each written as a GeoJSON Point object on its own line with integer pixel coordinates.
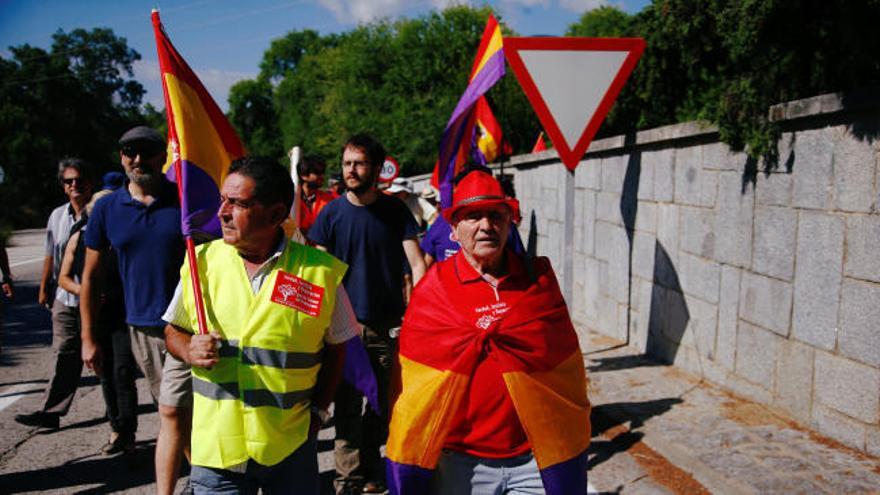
{"type": "Point", "coordinates": [140, 221]}
{"type": "Point", "coordinates": [75, 178]}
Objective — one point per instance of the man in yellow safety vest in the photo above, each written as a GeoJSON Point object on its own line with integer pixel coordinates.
{"type": "Point", "coordinates": [279, 318]}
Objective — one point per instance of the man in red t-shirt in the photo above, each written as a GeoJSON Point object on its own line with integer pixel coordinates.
{"type": "Point", "coordinates": [311, 198]}
{"type": "Point", "coordinates": [489, 315]}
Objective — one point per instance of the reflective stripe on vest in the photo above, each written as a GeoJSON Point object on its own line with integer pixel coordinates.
{"type": "Point", "coordinates": [269, 357]}
{"type": "Point", "coordinates": [254, 403]}
{"type": "Point", "coordinates": [251, 398]}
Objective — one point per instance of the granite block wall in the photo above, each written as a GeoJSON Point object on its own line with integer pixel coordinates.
{"type": "Point", "coordinates": [763, 278]}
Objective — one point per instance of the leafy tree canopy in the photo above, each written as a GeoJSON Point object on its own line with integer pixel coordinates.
{"type": "Point", "coordinates": [728, 61]}
{"type": "Point", "coordinates": [398, 80]}
{"type": "Point", "coordinates": [74, 99]}
{"type": "Point", "coordinates": [725, 61]}
{"type": "Point", "coordinates": [602, 22]}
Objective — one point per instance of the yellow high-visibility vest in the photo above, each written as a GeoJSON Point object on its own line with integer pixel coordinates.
{"type": "Point", "coordinates": [254, 404]}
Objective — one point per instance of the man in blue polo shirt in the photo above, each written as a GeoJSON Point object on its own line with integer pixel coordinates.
{"type": "Point", "coordinates": [141, 222]}
{"type": "Point", "coordinates": [374, 233]}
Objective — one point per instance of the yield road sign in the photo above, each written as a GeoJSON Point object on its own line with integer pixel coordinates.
{"type": "Point", "coordinates": [572, 84]}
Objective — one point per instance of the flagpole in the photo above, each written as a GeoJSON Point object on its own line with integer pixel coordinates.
{"type": "Point", "coordinates": [178, 173]}
{"type": "Point", "coordinates": [568, 240]}
{"type": "Point", "coordinates": [295, 155]}
{"type": "Point", "coordinates": [197, 286]}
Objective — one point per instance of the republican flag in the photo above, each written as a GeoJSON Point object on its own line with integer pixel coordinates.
{"type": "Point", "coordinates": [201, 142]}
{"type": "Point", "coordinates": [488, 68]}
{"type": "Point", "coordinates": [490, 143]}
{"type": "Point", "coordinates": [540, 144]}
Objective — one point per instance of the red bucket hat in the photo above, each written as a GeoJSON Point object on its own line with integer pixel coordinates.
{"type": "Point", "coordinates": [479, 189]}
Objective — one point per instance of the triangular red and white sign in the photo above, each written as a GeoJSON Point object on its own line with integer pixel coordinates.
{"type": "Point", "coordinates": [572, 84]}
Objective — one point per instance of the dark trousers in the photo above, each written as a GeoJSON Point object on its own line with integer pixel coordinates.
{"type": "Point", "coordinates": [66, 368]}
{"type": "Point", "coordinates": [118, 376]}
{"type": "Point", "coordinates": [359, 431]}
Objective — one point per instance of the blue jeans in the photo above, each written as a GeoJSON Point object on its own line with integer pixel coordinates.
{"type": "Point", "coordinates": [296, 474]}
{"type": "Point", "coordinates": [462, 474]}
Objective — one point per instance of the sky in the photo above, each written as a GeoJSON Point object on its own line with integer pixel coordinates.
{"type": "Point", "coordinates": [224, 40]}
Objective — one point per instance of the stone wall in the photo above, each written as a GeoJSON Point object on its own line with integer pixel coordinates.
{"type": "Point", "coordinates": [762, 279]}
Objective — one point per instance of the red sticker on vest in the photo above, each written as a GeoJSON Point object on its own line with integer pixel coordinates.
{"type": "Point", "coordinates": [298, 294]}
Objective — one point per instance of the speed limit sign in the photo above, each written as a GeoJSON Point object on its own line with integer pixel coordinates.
{"type": "Point", "coordinates": [390, 170]}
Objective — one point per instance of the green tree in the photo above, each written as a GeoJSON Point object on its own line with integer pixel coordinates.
{"type": "Point", "coordinates": [784, 50]}
{"type": "Point", "coordinates": [252, 103]}
{"type": "Point", "coordinates": [285, 53]}
{"type": "Point", "coordinates": [728, 61]}
{"type": "Point", "coordinates": [397, 80]}
{"type": "Point", "coordinates": [252, 112]}
{"type": "Point", "coordinates": [155, 118]}
{"type": "Point", "coordinates": [605, 22]}
{"type": "Point", "coordinates": [74, 99]}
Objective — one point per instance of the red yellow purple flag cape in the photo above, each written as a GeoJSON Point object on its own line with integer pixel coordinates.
{"type": "Point", "coordinates": [542, 366]}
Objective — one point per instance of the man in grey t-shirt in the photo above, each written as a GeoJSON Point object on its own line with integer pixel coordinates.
{"type": "Point", "coordinates": [76, 179]}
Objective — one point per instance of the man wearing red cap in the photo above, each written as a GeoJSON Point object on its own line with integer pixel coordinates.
{"type": "Point", "coordinates": [493, 388]}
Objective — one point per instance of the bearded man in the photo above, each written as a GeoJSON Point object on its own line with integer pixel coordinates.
{"type": "Point", "coordinates": [140, 221]}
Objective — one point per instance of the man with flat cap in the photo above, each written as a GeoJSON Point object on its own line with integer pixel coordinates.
{"type": "Point", "coordinates": [140, 221]}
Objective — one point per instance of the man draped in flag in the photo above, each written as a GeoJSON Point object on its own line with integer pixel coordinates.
{"type": "Point", "coordinates": [493, 388]}
{"type": "Point", "coordinates": [471, 113]}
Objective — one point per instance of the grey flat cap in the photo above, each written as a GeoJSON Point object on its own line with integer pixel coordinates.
{"type": "Point", "coordinates": [141, 133]}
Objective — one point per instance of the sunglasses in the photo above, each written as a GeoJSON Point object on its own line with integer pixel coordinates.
{"type": "Point", "coordinates": [144, 150]}
{"type": "Point", "coordinates": [72, 180]}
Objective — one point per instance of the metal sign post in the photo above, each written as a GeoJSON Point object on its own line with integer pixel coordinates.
{"type": "Point", "coordinates": [568, 244]}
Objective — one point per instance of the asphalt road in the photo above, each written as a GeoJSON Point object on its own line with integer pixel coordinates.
{"type": "Point", "coordinates": [66, 460]}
